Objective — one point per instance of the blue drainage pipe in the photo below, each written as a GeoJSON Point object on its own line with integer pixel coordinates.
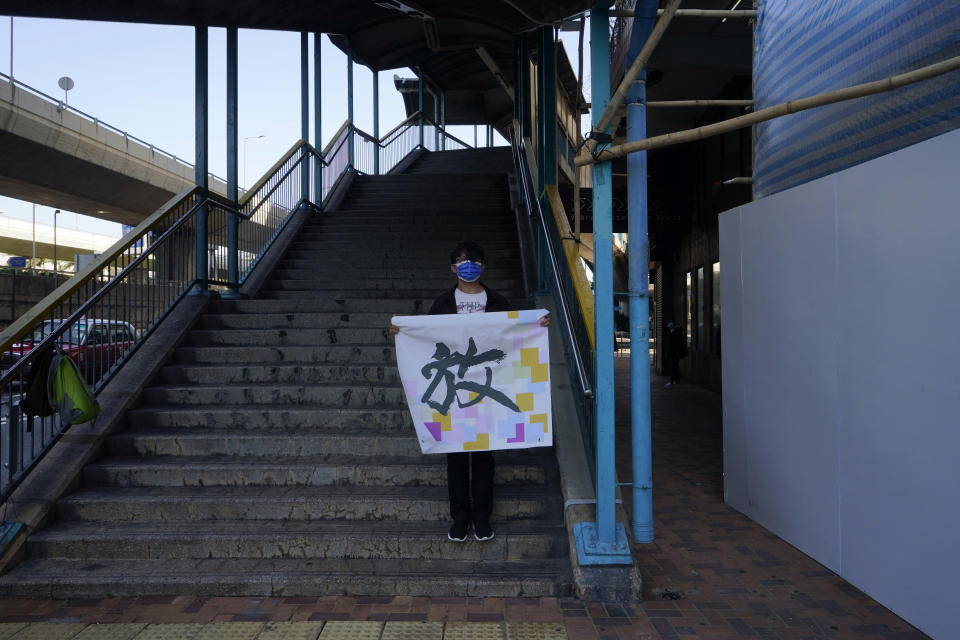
{"type": "Point", "coordinates": [305, 111]}
{"type": "Point", "coordinates": [350, 105]}
{"type": "Point", "coordinates": [317, 121]}
{"type": "Point", "coordinates": [233, 224]}
{"type": "Point", "coordinates": [202, 101]}
{"type": "Point", "coordinates": [376, 121]}
{"type": "Point", "coordinates": [639, 256]}
{"type": "Point", "coordinates": [420, 102]}
{"type": "Point", "coordinates": [603, 541]}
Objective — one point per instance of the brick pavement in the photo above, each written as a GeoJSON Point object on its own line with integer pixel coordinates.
{"type": "Point", "coordinates": [712, 574]}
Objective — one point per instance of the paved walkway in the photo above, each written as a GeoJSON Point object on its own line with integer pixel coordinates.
{"type": "Point", "coordinates": [711, 574]}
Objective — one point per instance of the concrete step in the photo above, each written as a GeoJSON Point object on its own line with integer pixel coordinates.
{"type": "Point", "coordinates": [416, 272]}
{"type": "Point", "coordinates": [107, 577]}
{"type": "Point", "coordinates": [162, 504]}
{"type": "Point", "coordinates": [318, 439]}
{"type": "Point", "coordinates": [302, 320]}
{"type": "Point", "coordinates": [515, 540]}
{"type": "Point", "coordinates": [344, 304]}
{"type": "Point", "coordinates": [287, 373]}
{"type": "Point", "coordinates": [444, 238]}
{"type": "Point", "coordinates": [290, 337]}
{"type": "Point", "coordinates": [319, 470]}
{"type": "Point", "coordinates": [373, 294]}
{"type": "Point", "coordinates": [327, 395]}
{"type": "Point", "coordinates": [399, 255]}
{"type": "Point", "coordinates": [295, 279]}
{"type": "Point", "coordinates": [403, 219]}
{"type": "Point", "coordinates": [361, 287]}
{"type": "Point", "coordinates": [452, 180]}
{"type": "Point", "coordinates": [294, 354]}
{"type": "Point", "coordinates": [254, 417]}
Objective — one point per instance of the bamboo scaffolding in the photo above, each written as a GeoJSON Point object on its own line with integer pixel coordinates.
{"type": "Point", "coordinates": [641, 60]}
{"type": "Point", "coordinates": [786, 108]}
{"type": "Point", "coordinates": [700, 103]}
{"type": "Point", "coordinates": [693, 13]}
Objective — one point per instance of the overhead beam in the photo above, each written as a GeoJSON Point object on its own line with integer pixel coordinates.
{"type": "Point", "coordinates": [494, 69]}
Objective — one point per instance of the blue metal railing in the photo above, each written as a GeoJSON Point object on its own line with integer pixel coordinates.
{"type": "Point", "coordinates": [105, 312]}
{"type": "Point", "coordinates": [575, 334]}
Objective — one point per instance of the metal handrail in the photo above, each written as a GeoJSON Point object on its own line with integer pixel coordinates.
{"type": "Point", "coordinates": [413, 117]}
{"type": "Point", "coordinates": [100, 123]}
{"type": "Point", "coordinates": [99, 294]}
{"type": "Point", "coordinates": [444, 133]}
{"type": "Point", "coordinates": [133, 286]}
{"type": "Point", "coordinates": [533, 203]}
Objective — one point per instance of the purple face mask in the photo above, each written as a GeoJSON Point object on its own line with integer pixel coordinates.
{"type": "Point", "coordinates": [469, 271]}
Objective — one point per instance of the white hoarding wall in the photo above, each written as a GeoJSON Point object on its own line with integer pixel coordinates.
{"type": "Point", "coordinates": [841, 374]}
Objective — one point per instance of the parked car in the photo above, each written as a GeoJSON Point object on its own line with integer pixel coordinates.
{"type": "Point", "coordinates": [94, 344]}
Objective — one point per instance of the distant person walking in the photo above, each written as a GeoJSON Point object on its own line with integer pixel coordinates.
{"type": "Point", "coordinates": [674, 348]}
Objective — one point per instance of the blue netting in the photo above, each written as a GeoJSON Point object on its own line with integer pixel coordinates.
{"type": "Point", "coordinates": [803, 49]}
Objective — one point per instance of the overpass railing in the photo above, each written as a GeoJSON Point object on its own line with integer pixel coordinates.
{"type": "Point", "coordinates": [14, 85]}
{"type": "Point", "coordinates": [106, 311]}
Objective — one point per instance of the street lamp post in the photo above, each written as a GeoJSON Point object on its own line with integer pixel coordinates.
{"type": "Point", "coordinates": [245, 157]}
{"type": "Point", "coordinates": [55, 214]}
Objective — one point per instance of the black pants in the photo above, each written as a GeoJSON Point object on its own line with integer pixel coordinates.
{"type": "Point", "coordinates": [462, 486]}
{"type": "Point", "coordinates": [673, 369]}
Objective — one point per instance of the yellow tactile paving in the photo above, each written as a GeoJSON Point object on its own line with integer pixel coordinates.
{"type": "Point", "coordinates": [351, 630]}
{"type": "Point", "coordinates": [230, 631]}
{"type": "Point", "coordinates": [7, 629]}
{"type": "Point", "coordinates": [120, 631]}
{"type": "Point", "coordinates": [412, 631]}
{"type": "Point", "coordinates": [291, 631]}
{"type": "Point", "coordinates": [50, 631]}
{"type": "Point", "coordinates": [473, 631]}
{"type": "Point", "coordinates": [170, 632]}
{"type": "Point", "coordinates": [536, 631]}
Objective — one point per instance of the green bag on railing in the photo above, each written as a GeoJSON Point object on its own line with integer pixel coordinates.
{"type": "Point", "coordinates": [69, 394]}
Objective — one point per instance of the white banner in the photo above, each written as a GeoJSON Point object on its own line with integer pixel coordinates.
{"type": "Point", "coordinates": [477, 381]}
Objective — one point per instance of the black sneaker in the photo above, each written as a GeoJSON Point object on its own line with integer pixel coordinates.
{"type": "Point", "coordinates": [458, 532]}
{"type": "Point", "coordinates": [482, 531]}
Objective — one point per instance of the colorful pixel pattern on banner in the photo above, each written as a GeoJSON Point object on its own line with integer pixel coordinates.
{"type": "Point", "coordinates": [476, 382]}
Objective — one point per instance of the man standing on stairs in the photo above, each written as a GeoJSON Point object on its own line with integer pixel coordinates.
{"type": "Point", "coordinates": [471, 494]}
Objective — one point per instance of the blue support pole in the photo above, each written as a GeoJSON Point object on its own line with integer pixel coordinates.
{"type": "Point", "coordinates": [317, 121]}
{"type": "Point", "coordinates": [639, 256]}
{"type": "Point", "coordinates": [233, 223]}
{"type": "Point", "coordinates": [420, 102]}
{"type": "Point", "coordinates": [376, 121]}
{"type": "Point", "coordinates": [305, 112]}
{"type": "Point", "coordinates": [350, 106]}
{"type": "Point", "coordinates": [202, 101]}
{"type": "Point", "coordinates": [603, 541]}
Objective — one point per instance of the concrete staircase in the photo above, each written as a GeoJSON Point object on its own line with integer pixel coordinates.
{"type": "Point", "coordinates": [275, 455]}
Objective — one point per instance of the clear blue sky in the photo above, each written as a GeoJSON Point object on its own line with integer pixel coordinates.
{"type": "Point", "coordinates": [139, 78]}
